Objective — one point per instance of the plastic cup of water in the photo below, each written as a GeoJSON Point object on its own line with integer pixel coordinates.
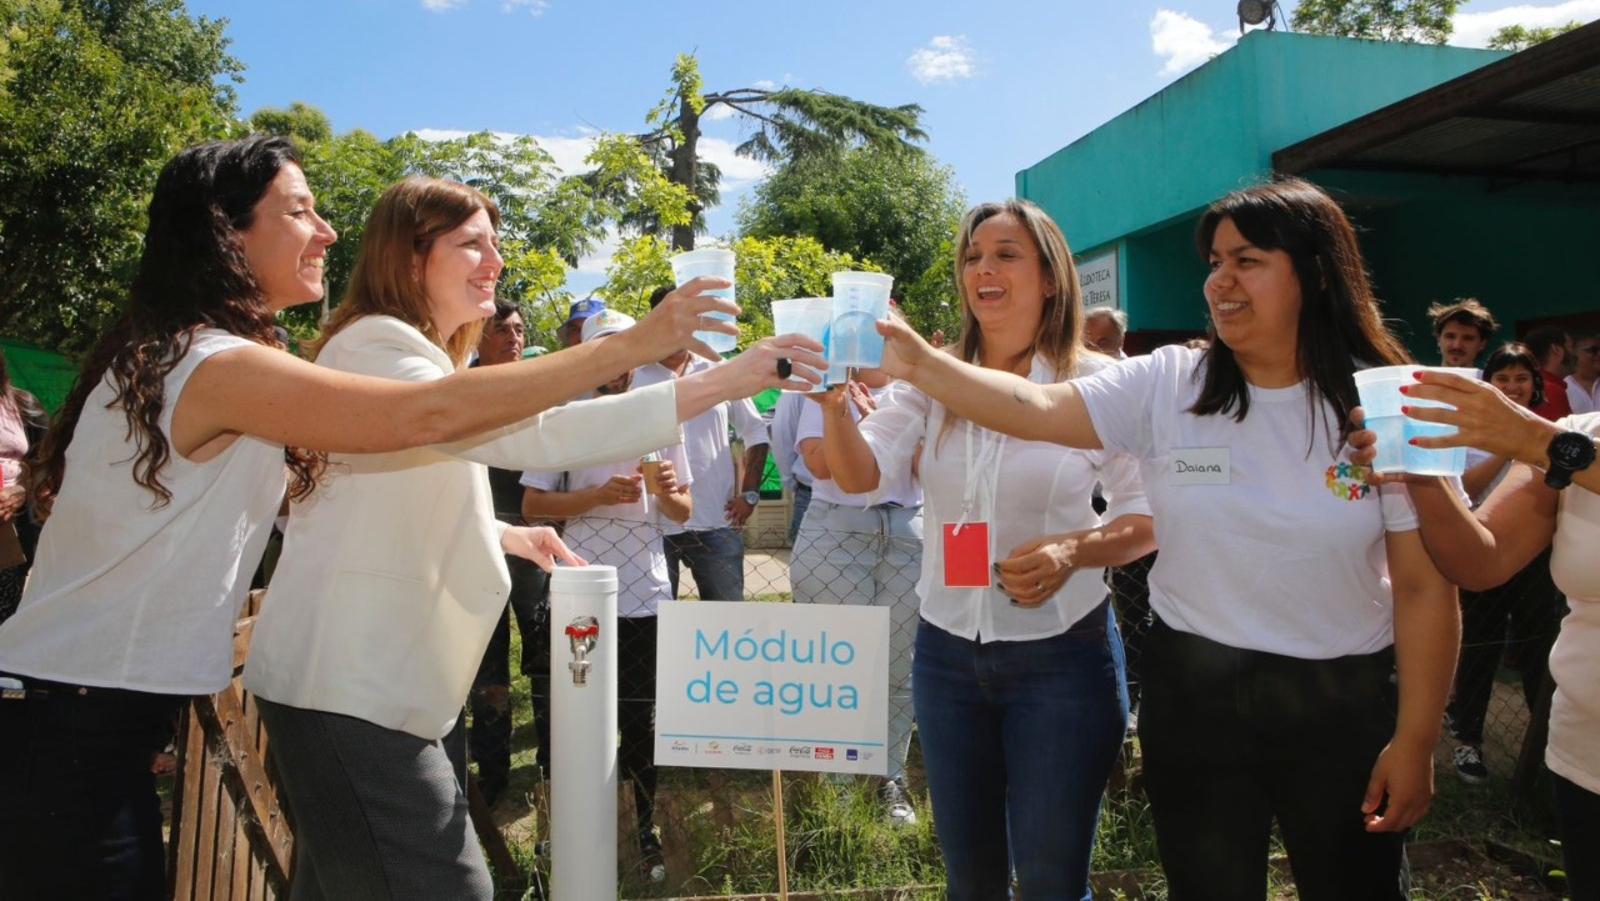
{"type": "Point", "coordinates": [808, 316]}
{"type": "Point", "coordinates": [716, 263]}
{"type": "Point", "coordinates": [860, 299]}
{"type": "Point", "coordinates": [1379, 390]}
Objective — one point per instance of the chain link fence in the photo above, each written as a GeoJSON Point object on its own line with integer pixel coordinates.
{"type": "Point", "coordinates": [692, 832]}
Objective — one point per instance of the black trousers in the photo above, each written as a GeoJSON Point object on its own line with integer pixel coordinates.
{"type": "Point", "coordinates": [79, 814]}
{"type": "Point", "coordinates": [1234, 739]}
{"type": "Point", "coordinates": [636, 712]}
{"type": "Point", "coordinates": [1517, 620]}
{"type": "Point", "coordinates": [1579, 813]}
{"type": "Point", "coordinates": [490, 700]}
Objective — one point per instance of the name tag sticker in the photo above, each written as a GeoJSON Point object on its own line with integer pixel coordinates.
{"type": "Point", "coordinates": [1199, 466]}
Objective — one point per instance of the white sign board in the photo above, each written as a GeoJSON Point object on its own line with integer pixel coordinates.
{"type": "Point", "coordinates": [1097, 277]}
{"type": "Point", "coordinates": [771, 686]}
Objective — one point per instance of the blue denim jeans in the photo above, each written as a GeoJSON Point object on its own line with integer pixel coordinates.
{"type": "Point", "coordinates": [1019, 738]}
{"type": "Point", "coordinates": [802, 500]}
{"type": "Point", "coordinates": [714, 556]}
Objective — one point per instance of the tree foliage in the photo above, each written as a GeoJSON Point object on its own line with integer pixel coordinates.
{"type": "Point", "coordinates": [767, 269]}
{"type": "Point", "coordinates": [787, 124]}
{"type": "Point", "coordinates": [898, 209]}
{"type": "Point", "coordinates": [1517, 38]}
{"type": "Point", "coordinates": [95, 95]}
{"type": "Point", "coordinates": [1419, 21]}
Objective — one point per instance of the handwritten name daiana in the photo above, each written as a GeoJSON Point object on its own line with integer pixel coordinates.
{"type": "Point", "coordinates": [1186, 466]}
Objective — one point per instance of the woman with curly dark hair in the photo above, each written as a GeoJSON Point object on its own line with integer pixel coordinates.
{"type": "Point", "coordinates": [166, 469]}
{"type": "Point", "coordinates": [22, 424]}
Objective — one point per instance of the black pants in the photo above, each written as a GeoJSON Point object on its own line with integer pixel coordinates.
{"type": "Point", "coordinates": [1518, 620]}
{"type": "Point", "coordinates": [79, 814]}
{"type": "Point", "coordinates": [1579, 813]}
{"type": "Point", "coordinates": [1234, 739]}
{"type": "Point", "coordinates": [636, 712]}
{"type": "Point", "coordinates": [490, 701]}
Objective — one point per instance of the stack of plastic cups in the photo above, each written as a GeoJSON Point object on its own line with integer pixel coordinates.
{"type": "Point", "coordinates": [860, 299]}
{"type": "Point", "coordinates": [1381, 400]}
{"type": "Point", "coordinates": [811, 317]}
{"type": "Point", "coordinates": [716, 263]}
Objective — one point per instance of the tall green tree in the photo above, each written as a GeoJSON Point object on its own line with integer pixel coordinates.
{"type": "Point", "coordinates": [96, 96]}
{"type": "Point", "coordinates": [898, 209]}
{"type": "Point", "coordinates": [1419, 21]}
{"type": "Point", "coordinates": [788, 124]}
{"type": "Point", "coordinates": [1517, 38]}
{"type": "Point", "coordinates": [300, 120]}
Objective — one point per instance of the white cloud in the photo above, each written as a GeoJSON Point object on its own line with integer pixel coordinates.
{"type": "Point", "coordinates": [767, 84]}
{"type": "Point", "coordinates": [1475, 29]}
{"type": "Point", "coordinates": [946, 58]}
{"type": "Point", "coordinates": [737, 171]}
{"type": "Point", "coordinates": [532, 7]}
{"type": "Point", "coordinates": [597, 261]}
{"type": "Point", "coordinates": [719, 112]}
{"type": "Point", "coordinates": [1184, 41]}
{"type": "Point", "coordinates": [439, 6]}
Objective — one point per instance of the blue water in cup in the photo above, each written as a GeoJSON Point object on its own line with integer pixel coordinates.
{"type": "Point", "coordinates": [860, 299]}
{"type": "Point", "coordinates": [811, 317]}
{"type": "Point", "coordinates": [1379, 390]}
{"type": "Point", "coordinates": [716, 263]}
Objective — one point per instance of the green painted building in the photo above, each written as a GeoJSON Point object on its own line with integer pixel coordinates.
{"type": "Point", "coordinates": [1469, 173]}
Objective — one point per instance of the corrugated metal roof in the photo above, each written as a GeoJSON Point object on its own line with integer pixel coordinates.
{"type": "Point", "coordinates": [1532, 115]}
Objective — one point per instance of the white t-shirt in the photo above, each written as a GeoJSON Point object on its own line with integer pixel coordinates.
{"type": "Point", "coordinates": [1574, 748]}
{"type": "Point", "coordinates": [705, 441]}
{"type": "Point", "coordinates": [127, 594]}
{"type": "Point", "coordinates": [785, 420]}
{"type": "Point", "coordinates": [1582, 400]}
{"type": "Point", "coordinates": [897, 486]}
{"type": "Point", "coordinates": [1268, 540]}
{"type": "Point", "coordinates": [627, 536]}
{"type": "Point", "coordinates": [1023, 490]}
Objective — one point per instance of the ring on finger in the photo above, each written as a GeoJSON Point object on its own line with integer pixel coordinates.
{"type": "Point", "coordinates": [785, 368]}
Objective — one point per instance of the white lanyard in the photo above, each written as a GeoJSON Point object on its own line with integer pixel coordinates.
{"type": "Point", "coordinates": [986, 462]}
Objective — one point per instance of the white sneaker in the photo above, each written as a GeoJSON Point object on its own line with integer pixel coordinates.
{"type": "Point", "coordinates": [1469, 764]}
{"type": "Point", "coordinates": [897, 808]}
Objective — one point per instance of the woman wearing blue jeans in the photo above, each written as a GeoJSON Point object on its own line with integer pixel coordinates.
{"type": "Point", "coordinates": [1018, 682]}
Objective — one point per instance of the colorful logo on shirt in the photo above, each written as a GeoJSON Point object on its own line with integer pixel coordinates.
{"type": "Point", "coordinates": [1348, 481]}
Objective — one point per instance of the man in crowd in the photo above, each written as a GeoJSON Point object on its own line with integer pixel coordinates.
{"type": "Point", "coordinates": [1462, 329]}
{"type": "Point", "coordinates": [1550, 345]}
{"type": "Point", "coordinates": [569, 332]}
{"type": "Point", "coordinates": [710, 543]}
{"type": "Point", "coordinates": [1583, 385]}
{"type": "Point", "coordinates": [791, 466]}
{"type": "Point", "coordinates": [1104, 330]}
{"type": "Point", "coordinates": [490, 701]}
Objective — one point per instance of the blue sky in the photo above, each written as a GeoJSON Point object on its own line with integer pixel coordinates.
{"type": "Point", "coordinates": [1002, 84]}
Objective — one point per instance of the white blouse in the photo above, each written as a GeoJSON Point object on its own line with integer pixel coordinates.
{"type": "Point", "coordinates": [1024, 490]}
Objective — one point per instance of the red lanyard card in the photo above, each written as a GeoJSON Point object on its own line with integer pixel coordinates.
{"type": "Point", "coordinates": [966, 555]}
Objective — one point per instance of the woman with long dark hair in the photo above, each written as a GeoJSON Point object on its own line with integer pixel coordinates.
{"type": "Point", "coordinates": [164, 472]}
{"type": "Point", "coordinates": [1304, 641]}
{"type": "Point", "coordinates": [1018, 677]}
{"type": "Point", "coordinates": [22, 425]}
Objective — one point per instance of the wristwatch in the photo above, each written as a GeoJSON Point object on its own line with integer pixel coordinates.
{"type": "Point", "coordinates": [1570, 452]}
{"type": "Point", "coordinates": [752, 497]}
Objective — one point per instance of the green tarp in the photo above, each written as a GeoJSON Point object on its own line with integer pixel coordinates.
{"type": "Point", "coordinates": [46, 375]}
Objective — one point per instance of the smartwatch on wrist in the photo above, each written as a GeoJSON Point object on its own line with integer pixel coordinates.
{"type": "Point", "coordinates": [752, 497]}
{"type": "Point", "coordinates": [1570, 452]}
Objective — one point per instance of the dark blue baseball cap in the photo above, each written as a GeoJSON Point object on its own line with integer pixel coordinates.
{"type": "Point", "coordinates": [583, 309]}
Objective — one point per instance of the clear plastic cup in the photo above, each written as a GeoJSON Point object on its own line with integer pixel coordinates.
{"type": "Point", "coordinates": [809, 316]}
{"type": "Point", "coordinates": [1379, 390]}
{"type": "Point", "coordinates": [717, 263]}
{"type": "Point", "coordinates": [860, 299]}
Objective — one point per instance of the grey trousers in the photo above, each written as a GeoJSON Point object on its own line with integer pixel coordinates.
{"type": "Point", "coordinates": [378, 814]}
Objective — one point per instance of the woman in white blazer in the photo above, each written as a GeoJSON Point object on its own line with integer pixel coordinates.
{"type": "Point", "coordinates": [164, 470]}
{"type": "Point", "coordinates": [393, 574]}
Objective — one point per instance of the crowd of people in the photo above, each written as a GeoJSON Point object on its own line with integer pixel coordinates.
{"type": "Point", "coordinates": [1302, 640]}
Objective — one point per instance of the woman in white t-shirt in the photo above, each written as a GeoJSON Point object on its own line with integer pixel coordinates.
{"type": "Point", "coordinates": [1520, 614]}
{"type": "Point", "coordinates": [855, 549]}
{"type": "Point", "coordinates": [1550, 500]}
{"type": "Point", "coordinates": [1287, 591]}
{"type": "Point", "coordinates": [163, 473]}
{"type": "Point", "coordinates": [1018, 679]}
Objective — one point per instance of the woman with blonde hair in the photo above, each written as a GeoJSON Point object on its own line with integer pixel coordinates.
{"type": "Point", "coordinates": [1018, 677]}
{"type": "Point", "coordinates": [393, 574]}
